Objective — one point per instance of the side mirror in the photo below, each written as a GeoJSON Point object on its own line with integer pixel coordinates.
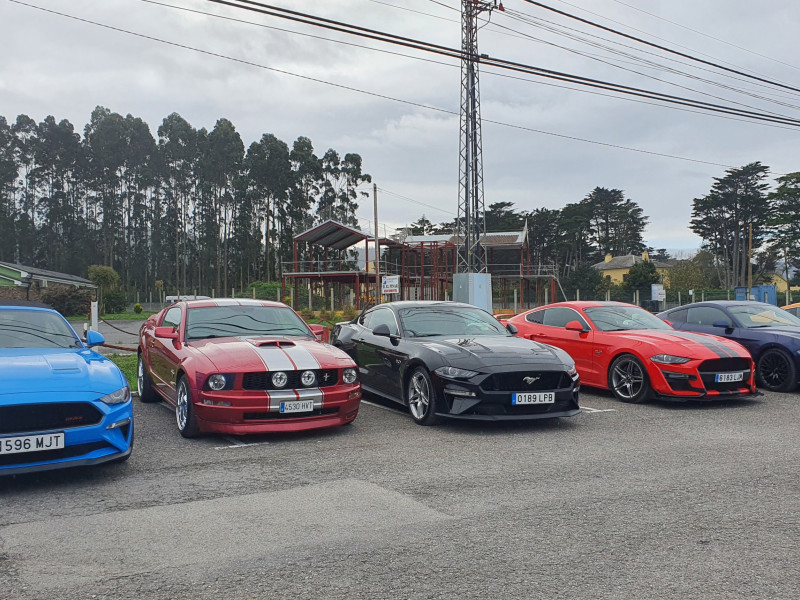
{"type": "Point", "coordinates": [166, 332]}
{"type": "Point", "coordinates": [94, 338]}
{"type": "Point", "coordinates": [382, 330]}
{"type": "Point", "coordinates": [722, 324]}
{"type": "Point", "coordinates": [574, 326]}
{"type": "Point", "coordinates": [317, 330]}
{"type": "Point", "coordinates": [512, 329]}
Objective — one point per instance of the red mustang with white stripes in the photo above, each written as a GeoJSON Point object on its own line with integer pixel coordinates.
{"type": "Point", "coordinates": [638, 356]}
{"type": "Point", "coordinates": [244, 366]}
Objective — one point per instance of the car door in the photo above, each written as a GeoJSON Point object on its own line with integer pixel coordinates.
{"type": "Point", "coordinates": [578, 344]}
{"type": "Point", "coordinates": [381, 355]}
{"type": "Point", "coordinates": [163, 356]}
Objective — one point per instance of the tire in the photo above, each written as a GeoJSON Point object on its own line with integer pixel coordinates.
{"type": "Point", "coordinates": [627, 379]}
{"type": "Point", "coordinates": [184, 410]}
{"type": "Point", "coordinates": [144, 384]}
{"type": "Point", "coordinates": [421, 398]}
{"type": "Point", "coordinates": [775, 371]}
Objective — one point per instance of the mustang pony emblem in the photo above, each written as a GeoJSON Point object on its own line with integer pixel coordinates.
{"type": "Point", "coordinates": [530, 380]}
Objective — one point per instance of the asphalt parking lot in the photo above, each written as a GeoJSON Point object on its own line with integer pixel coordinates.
{"type": "Point", "coordinates": [623, 501]}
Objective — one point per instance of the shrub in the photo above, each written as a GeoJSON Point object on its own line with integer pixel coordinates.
{"type": "Point", "coordinates": [306, 313]}
{"type": "Point", "coordinates": [69, 301]}
{"type": "Point", "coordinates": [114, 301]}
{"type": "Point", "coordinates": [325, 315]}
{"type": "Point", "coordinates": [349, 312]}
{"type": "Point", "coordinates": [137, 308]}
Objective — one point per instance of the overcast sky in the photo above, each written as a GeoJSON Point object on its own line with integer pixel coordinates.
{"type": "Point", "coordinates": [541, 156]}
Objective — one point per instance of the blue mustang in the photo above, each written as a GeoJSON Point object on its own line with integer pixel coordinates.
{"type": "Point", "coordinates": [61, 404]}
{"type": "Point", "coordinates": [770, 334]}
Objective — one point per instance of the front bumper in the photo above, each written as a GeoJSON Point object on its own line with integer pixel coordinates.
{"type": "Point", "coordinates": [473, 399]}
{"type": "Point", "coordinates": [109, 439]}
{"type": "Point", "coordinates": [242, 412]}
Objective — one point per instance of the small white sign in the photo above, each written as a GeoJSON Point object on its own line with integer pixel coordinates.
{"type": "Point", "coordinates": [390, 284]}
{"type": "Point", "coordinates": [657, 292]}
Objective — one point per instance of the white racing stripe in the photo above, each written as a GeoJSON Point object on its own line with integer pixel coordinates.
{"type": "Point", "coordinates": [274, 358]}
{"type": "Point", "coordinates": [301, 357]}
{"type": "Point", "coordinates": [313, 394]}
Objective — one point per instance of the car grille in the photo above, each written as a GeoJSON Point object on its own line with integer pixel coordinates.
{"type": "Point", "coordinates": [24, 418]}
{"type": "Point", "coordinates": [263, 380]}
{"type": "Point", "coordinates": [22, 458]}
{"type": "Point", "coordinates": [514, 382]}
{"type": "Point", "coordinates": [709, 368]}
{"type": "Point", "coordinates": [275, 416]}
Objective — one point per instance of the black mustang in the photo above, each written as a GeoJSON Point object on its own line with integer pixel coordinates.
{"type": "Point", "coordinates": [447, 359]}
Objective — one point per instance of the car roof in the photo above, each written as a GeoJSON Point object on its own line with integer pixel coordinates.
{"type": "Point", "coordinates": [423, 303]}
{"type": "Point", "coordinates": [8, 303]}
{"type": "Point", "coordinates": [724, 303]}
{"type": "Point", "coordinates": [215, 302]}
{"type": "Point", "coordinates": [793, 305]}
{"type": "Point", "coordinates": [584, 304]}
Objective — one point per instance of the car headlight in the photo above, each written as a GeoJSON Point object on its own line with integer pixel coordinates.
{"type": "Point", "coordinates": [350, 376]}
{"type": "Point", "coordinates": [572, 371]}
{"type": "Point", "coordinates": [279, 379]}
{"type": "Point", "coordinates": [455, 373]}
{"type": "Point", "coordinates": [308, 378]}
{"type": "Point", "coordinates": [217, 382]}
{"type": "Point", "coordinates": [669, 359]}
{"type": "Point", "coordinates": [121, 396]}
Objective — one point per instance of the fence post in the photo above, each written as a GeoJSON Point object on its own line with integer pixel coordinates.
{"type": "Point", "coordinates": [577, 295]}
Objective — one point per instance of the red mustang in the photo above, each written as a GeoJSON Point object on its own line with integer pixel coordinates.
{"type": "Point", "coordinates": [244, 366]}
{"type": "Point", "coordinates": [637, 355]}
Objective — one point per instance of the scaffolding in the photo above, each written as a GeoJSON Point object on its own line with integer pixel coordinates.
{"type": "Point", "coordinates": [423, 264]}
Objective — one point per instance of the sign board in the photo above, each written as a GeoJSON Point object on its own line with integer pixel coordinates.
{"type": "Point", "coordinates": [390, 284]}
{"type": "Point", "coordinates": [657, 292]}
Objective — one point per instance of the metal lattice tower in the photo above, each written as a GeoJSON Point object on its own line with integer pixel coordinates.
{"type": "Point", "coordinates": [471, 221]}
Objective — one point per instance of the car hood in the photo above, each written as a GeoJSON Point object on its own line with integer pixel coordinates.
{"type": "Point", "coordinates": [271, 353]}
{"type": "Point", "coordinates": [28, 370]}
{"type": "Point", "coordinates": [497, 351]}
{"type": "Point", "coordinates": [683, 343]}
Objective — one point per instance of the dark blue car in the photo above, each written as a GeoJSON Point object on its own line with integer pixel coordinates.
{"type": "Point", "coordinates": [61, 403]}
{"type": "Point", "coordinates": [770, 334]}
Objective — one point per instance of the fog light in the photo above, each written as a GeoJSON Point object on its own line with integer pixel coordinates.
{"type": "Point", "coordinates": [279, 379]}
{"type": "Point", "coordinates": [308, 378]}
{"type": "Point", "coordinates": [119, 424]}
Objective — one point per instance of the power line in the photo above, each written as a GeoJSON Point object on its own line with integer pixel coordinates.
{"type": "Point", "coordinates": [664, 48]}
{"type": "Point", "coordinates": [360, 91]}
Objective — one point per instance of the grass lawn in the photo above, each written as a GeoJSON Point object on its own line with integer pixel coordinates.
{"type": "Point", "coordinates": [126, 363]}
{"type": "Point", "coordinates": [127, 316]}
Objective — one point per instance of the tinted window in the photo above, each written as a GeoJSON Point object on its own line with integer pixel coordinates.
{"type": "Point", "coordinates": [535, 316]}
{"type": "Point", "coordinates": [35, 329]}
{"type": "Point", "coordinates": [560, 316]}
{"type": "Point", "coordinates": [246, 320]}
{"type": "Point", "coordinates": [623, 317]}
{"type": "Point", "coordinates": [442, 319]}
{"type": "Point", "coordinates": [677, 316]}
{"type": "Point", "coordinates": [705, 315]}
{"type": "Point", "coordinates": [792, 311]}
{"type": "Point", "coordinates": [383, 316]}
{"type": "Point", "coordinates": [762, 315]}
{"type": "Point", "coordinates": [172, 318]}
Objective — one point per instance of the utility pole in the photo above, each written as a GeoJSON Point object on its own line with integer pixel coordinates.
{"type": "Point", "coordinates": [472, 282]}
{"type": "Point", "coordinates": [750, 264]}
{"type": "Point", "coordinates": [377, 248]}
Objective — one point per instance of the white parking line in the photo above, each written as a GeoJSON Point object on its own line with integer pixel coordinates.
{"type": "Point", "coordinates": [597, 410]}
{"type": "Point", "coordinates": [239, 444]}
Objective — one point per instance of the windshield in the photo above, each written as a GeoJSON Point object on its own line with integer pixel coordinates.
{"type": "Point", "coordinates": [622, 318]}
{"type": "Point", "coordinates": [452, 321]}
{"type": "Point", "coordinates": [35, 329]}
{"type": "Point", "coordinates": [234, 321]}
{"type": "Point", "coordinates": [762, 315]}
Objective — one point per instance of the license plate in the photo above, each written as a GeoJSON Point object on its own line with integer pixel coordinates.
{"type": "Point", "coordinates": [728, 377]}
{"type": "Point", "coordinates": [297, 406]}
{"type": "Point", "coordinates": [31, 443]}
{"type": "Point", "coordinates": [534, 398]}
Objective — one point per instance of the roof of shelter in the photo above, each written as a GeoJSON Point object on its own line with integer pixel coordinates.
{"type": "Point", "coordinates": [490, 239]}
{"type": "Point", "coordinates": [37, 273]}
{"type": "Point", "coordinates": [626, 262]}
{"type": "Point", "coordinates": [332, 234]}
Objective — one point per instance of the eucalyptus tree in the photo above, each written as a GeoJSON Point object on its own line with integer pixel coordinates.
{"type": "Point", "coordinates": [8, 179]}
{"type": "Point", "coordinates": [269, 174]}
{"type": "Point", "coordinates": [64, 243]}
{"type": "Point", "coordinates": [723, 218]}
{"type": "Point", "coordinates": [295, 215]}
{"type": "Point", "coordinates": [25, 134]}
{"type": "Point", "coordinates": [223, 165]}
{"type": "Point", "coordinates": [178, 154]}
